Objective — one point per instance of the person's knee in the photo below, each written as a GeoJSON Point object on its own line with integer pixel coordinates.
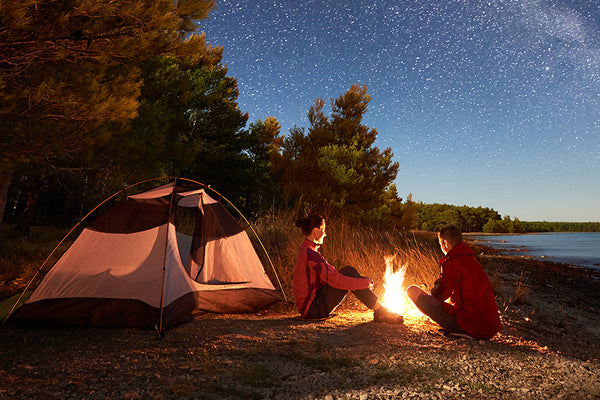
{"type": "Point", "coordinates": [349, 270]}
{"type": "Point", "coordinates": [413, 292]}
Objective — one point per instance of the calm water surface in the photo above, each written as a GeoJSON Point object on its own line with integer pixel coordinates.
{"type": "Point", "coordinates": [578, 248]}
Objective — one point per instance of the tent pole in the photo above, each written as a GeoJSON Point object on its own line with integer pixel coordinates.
{"type": "Point", "coordinates": [164, 269]}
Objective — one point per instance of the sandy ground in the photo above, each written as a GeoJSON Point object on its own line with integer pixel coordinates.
{"type": "Point", "coordinates": [549, 349]}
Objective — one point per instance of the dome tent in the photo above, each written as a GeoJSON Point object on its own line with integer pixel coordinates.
{"type": "Point", "coordinates": [156, 259]}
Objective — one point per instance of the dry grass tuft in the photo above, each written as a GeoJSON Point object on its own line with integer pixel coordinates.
{"type": "Point", "coordinates": [522, 291]}
{"type": "Point", "coordinates": [364, 248]}
{"type": "Point", "coordinates": [496, 282]}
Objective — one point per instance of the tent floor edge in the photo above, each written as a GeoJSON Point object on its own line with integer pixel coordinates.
{"type": "Point", "coordinates": [129, 313]}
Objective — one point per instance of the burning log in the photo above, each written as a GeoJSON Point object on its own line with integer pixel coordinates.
{"type": "Point", "coordinates": [395, 298]}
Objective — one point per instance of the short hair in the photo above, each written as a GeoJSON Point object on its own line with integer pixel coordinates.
{"type": "Point", "coordinates": [452, 234]}
{"type": "Point", "coordinates": [309, 223]}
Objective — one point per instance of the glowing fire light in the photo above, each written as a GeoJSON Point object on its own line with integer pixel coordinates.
{"type": "Point", "coordinates": [395, 298]}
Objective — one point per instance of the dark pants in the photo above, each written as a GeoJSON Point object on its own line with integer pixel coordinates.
{"type": "Point", "coordinates": [432, 307]}
{"type": "Point", "coordinates": [328, 298]}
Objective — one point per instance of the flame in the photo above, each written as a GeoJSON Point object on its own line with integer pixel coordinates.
{"type": "Point", "coordinates": [395, 298]}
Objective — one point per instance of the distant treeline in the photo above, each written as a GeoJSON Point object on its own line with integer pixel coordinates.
{"type": "Point", "coordinates": [479, 219]}
{"type": "Point", "coordinates": [468, 219]}
{"type": "Point", "coordinates": [545, 226]}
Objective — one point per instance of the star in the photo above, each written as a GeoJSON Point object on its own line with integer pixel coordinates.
{"type": "Point", "coordinates": [483, 90]}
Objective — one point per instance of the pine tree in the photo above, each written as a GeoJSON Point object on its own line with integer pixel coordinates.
{"type": "Point", "coordinates": [69, 68]}
{"type": "Point", "coordinates": [335, 166]}
{"type": "Point", "coordinates": [264, 150]}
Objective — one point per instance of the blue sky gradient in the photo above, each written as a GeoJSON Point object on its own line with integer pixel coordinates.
{"type": "Point", "coordinates": [483, 103]}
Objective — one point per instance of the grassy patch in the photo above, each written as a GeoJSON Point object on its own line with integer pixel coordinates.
{"type": "Point", "coordinates": [8, 304]}
{"type": "Point", "coordinates": [365, 248]}
{"type": "Point", "coordinates": [21, 257]}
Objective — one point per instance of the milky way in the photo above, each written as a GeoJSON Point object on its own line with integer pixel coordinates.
{"type": "Point", "coordinates": [484, 103]}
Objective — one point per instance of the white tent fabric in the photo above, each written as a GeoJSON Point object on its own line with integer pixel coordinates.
{"type": "Point", "coordinates": [107, 265]}
{"type": "Point", "coordinates": [104, 272]}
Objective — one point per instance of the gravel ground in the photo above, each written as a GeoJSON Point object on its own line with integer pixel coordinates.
{"type": "Point", "coordinates": [549, 349]}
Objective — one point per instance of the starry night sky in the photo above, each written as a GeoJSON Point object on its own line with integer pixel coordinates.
{"type": "Point", "coordinates": [483, 103]}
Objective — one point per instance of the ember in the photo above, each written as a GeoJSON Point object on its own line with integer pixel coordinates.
{"type": "Point", "coordinates": [395, 298]}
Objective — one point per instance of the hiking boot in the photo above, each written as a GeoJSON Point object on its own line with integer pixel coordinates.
{"type": "Point", "coordinates": [383, 316]}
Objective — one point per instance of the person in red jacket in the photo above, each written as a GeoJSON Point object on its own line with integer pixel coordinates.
{"type": "Point", "coordinates": [472, 308]}
{"type": "Point", "coordinates": [319, 288]}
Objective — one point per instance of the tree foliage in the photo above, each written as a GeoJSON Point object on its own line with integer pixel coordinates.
{"type": "Point", "coordinates": [468, 219]}
{"type": "Point", "coordinates": [188, 112]}
{"type": "Point", "coordinates": [479, 219]}
{"type": "Point", "coordinates": [74, 65]}
{"type": "Point", "coordinates": [70, 74]}
{"type": "Point", "coordinates": [265, 147]}
{"type": "Point", "coordinates": [546, 226]}
{"type": "Point", "coordinates": [188, 124]}
{"type": "Point", "coordinates": [335, 166]}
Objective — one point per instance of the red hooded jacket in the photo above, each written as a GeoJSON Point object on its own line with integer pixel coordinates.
{"type": "Point", "coordinates": [313, 272]}
{"type": "Point", "coordinates": [472, 300]}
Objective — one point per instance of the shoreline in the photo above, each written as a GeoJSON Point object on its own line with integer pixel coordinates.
{"type": "Point", "coordinates": [521, 252]}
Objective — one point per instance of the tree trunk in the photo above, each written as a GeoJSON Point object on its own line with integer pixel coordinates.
{"type": "Point", "coordinates": [4, 184]}
{"type": "Point", "coordinates": [28, 216]}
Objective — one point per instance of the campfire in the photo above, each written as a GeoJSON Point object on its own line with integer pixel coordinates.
{"type": "Point", "coordinates": [395, 298]}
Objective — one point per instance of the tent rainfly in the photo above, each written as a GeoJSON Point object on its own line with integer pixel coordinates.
{"type": "Point", "coordinates": [156, 259]}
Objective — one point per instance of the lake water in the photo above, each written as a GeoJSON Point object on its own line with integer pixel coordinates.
{"type": "Point", "coordinates": [577, 248]}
